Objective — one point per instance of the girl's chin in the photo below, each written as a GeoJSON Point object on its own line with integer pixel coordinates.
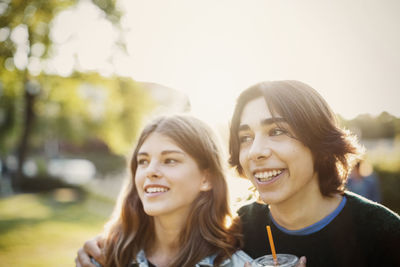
{"type": "Point", "coordinates": [153, 212]}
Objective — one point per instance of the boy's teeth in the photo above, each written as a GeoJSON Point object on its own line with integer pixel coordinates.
{"type": "Point", "coordinates": [156, 189]}
{"type": "Point", "coordinates": [267, 175]}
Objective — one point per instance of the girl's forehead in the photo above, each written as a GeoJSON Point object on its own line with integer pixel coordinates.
{"type": "Point", "coordinates": [158, 140]}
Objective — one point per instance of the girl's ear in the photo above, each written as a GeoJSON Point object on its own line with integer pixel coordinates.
{"type": "Point", "coordinates": [206, 181]}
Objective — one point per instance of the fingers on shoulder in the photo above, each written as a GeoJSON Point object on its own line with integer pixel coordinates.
{"type": "Point", "coordinates": [82, 259]}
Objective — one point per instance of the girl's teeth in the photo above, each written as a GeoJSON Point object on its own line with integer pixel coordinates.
{"type": "Point", "coordinates": [156, 189]}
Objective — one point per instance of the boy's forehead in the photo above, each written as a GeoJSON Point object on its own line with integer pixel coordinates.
{"type": "Point", "coordinates": [256, 112]}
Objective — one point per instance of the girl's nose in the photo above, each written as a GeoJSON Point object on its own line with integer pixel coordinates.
{"type": "Point", "coordinates": [153, 171]}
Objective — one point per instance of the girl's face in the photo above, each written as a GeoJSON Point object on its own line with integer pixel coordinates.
{"type": "Point", "coordinates": [167, 178]}
{"type": "Point", "coordinates": [278, 165]}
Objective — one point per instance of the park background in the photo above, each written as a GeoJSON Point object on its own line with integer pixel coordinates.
{"type": "Point", "coordinates": [78, 78]}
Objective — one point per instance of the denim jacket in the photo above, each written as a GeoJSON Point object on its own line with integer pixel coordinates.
{"type": "Point", "coordinates": [238, 259]}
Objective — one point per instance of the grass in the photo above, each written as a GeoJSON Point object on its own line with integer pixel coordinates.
{"type": "Point", "coordinates": [48, 229]}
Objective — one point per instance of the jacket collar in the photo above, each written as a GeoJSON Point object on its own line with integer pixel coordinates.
{"type": "Point", "coordinates": [208, 261]}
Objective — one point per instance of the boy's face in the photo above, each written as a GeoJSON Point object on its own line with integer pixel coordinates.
{"type": "Point", "coordinates": [278, 165]}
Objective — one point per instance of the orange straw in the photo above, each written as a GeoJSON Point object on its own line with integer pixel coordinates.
{"type": "Point", "coordinates": [271, 243]}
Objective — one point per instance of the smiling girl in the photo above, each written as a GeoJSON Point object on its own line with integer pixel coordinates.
{"type": "Point", "coordinates": [176, 207]}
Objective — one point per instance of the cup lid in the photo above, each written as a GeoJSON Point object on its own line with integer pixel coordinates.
{"type": "Point", "coordinates": [284, 260]}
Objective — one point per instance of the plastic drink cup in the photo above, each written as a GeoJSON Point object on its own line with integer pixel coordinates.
{"type": "Point", "coordinates": [284, 260]}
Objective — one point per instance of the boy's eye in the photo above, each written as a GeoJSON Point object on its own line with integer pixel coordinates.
{"type": "Point", "coordinates": [277, 131]}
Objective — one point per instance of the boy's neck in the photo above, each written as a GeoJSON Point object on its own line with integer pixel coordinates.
{"type": "Point", "coordinates": [304, 208]}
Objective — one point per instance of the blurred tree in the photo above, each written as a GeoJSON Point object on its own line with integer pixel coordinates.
{"type": "Point", "coordinates": [387, 125]}
{"type": "Point", "coordinates": [87, 105]}
{"type": "Point", "coordinates": [383, 126]}
{"type": "Point", "coordinates": [10, 110]}
{"type": "Point", "coordinates": [60, 102]}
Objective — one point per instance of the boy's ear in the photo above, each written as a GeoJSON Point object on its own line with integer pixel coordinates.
{"type": "Point", "coordinates": [206, 181]}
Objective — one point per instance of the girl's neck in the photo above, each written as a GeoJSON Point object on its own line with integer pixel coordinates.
{"type": "Point", "coordinates": [166, 243]}
{"type": "Point", "coordinates": [304, 208]}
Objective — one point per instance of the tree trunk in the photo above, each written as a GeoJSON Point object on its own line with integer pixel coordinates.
{"type": "Point", "coordinates": [29, 117]}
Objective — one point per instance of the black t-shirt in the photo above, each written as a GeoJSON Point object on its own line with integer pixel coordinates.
{"type": "Point", "coordinates": [362, 234]}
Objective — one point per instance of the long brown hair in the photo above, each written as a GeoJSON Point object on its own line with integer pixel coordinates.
{"type": "Point", "coordinates": [205, 232]}
{"type": "Point", "coordinates": [313, 123]}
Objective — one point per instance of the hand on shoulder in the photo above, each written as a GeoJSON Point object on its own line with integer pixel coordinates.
{"type": "Point", "coordinates": [91, 249]}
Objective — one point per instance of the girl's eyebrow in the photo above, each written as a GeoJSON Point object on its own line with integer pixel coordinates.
{"type": "Point", "coordinates": [171, 152]}
{"type": "Point", "coordinates": [243, 127]}
{"type": "Point", "coordinates": [162, 153]}
{"type": "Point", "coordinates": [265, 122]}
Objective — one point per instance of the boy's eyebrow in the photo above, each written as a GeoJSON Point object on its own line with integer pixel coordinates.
{"type": "Point", "coordinates": [265, 122]}
{"type": "Point", "coordinates": [269, 121]}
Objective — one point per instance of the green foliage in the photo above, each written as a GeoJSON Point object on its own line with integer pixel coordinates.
{"type": "Point", "coordinates": [368, 127]}
{"type": "Point", "coordinates": [75, 109]}
{"type": "Point", "coordinates": [11, 101]}
{"type": "Point", "coordinates": [24, 27]}
{"type": "Point", "coordinates": [72, 108]}
{"type": "Point", "coordinates": [36, 16]}
{"type": "Point", "coordinates": [110, 9]}
{"type": "Point", "coordinates": [386, 157]}
{"type": "Point", "coordinates": [88, 106]}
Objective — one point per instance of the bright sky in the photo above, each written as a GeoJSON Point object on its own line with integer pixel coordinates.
{"type": "Point", "coordinates": [213, 49]}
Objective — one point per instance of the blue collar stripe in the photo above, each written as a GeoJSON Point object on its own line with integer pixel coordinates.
{"type": "Point", "coordinates": [316, 226]}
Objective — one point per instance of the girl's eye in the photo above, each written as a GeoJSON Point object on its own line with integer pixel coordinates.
{"type": "Point", "coordinates": [277, 131]}
{"type": "Point", "coordinates": [142, 161]}
{"type": "Point", "coordinates": [170, 161]}
{"type": "Point", "coordinates": [245, 139]}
